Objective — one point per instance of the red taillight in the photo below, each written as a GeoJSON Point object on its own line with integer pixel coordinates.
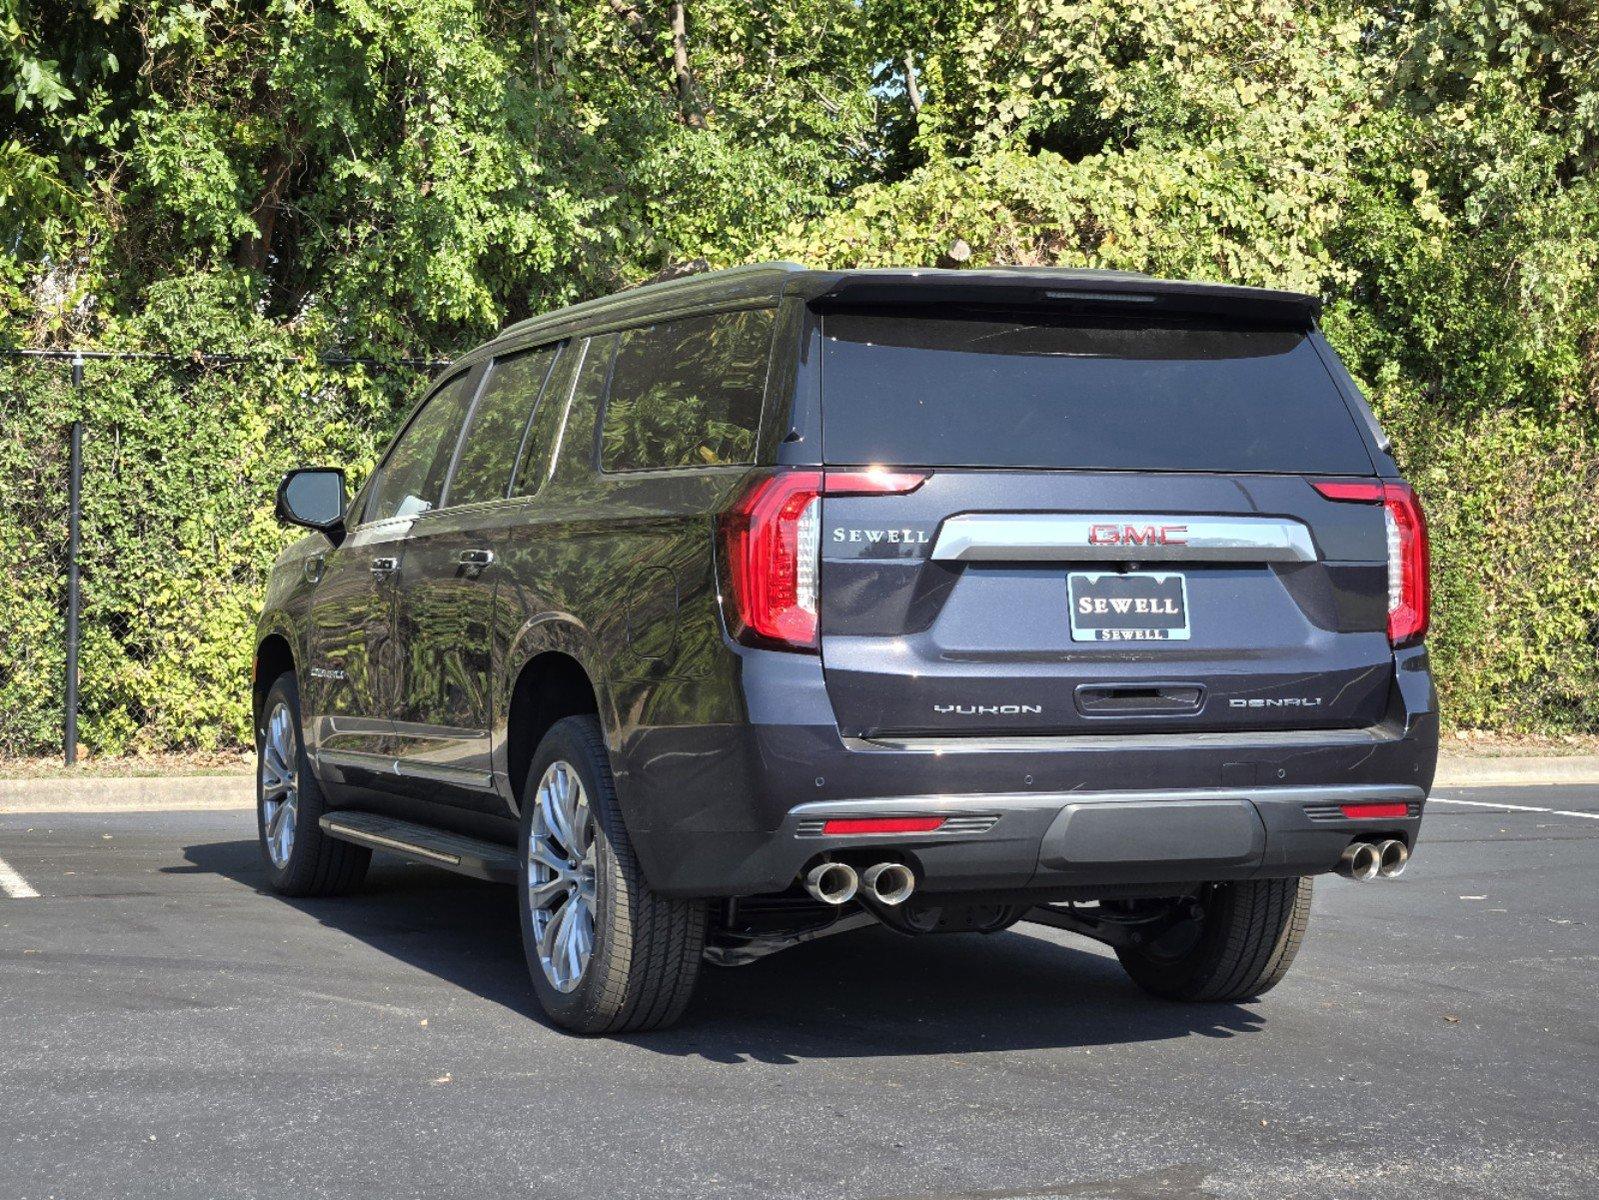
{"type": "Point", "coordinates": [874, 481]}
{"type": "Point", "coordinates": [771, 539]}
{"type": "Point", "coordinates": [846, 825]}
{"type": "Point", "coordinates": [1409, 595]}
{"type": "Point", "coordinates": [1360, 812]}
{"type": "Point", "coordinates": [1409, 592]}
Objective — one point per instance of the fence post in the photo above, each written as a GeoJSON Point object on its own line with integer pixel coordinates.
{"type": "Point", "coordinates": [74, 501]}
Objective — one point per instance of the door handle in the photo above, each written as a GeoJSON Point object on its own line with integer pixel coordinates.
{"type": "Point", "coordinates": [475, 558]}
{"type": "Point", "coordinates": [382, 566]}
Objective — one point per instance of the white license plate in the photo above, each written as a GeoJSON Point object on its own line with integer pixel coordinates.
{"type": "Point", "coordinates": [1136, 606]}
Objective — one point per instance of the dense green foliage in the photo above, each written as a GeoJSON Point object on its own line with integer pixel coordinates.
{"type": "Point", "coordinates": [395, 178]}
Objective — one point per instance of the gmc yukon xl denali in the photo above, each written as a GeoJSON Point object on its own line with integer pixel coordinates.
{"type": "Point", "coordinates": [736, 611]}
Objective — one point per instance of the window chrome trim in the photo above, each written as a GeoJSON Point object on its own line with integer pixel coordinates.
{"type": "Point", "coordinates": [1068, 537]}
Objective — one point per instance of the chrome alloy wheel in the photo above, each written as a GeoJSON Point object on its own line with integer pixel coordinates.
{"type": "Point", "coordinates": [560, 876]}
{"type": "Point", "coordinates": [280, 784]}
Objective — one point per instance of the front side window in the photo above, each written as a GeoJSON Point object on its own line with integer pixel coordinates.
{"type": "Point", "coordinates": [412, 477]}
{"type": "Point", "coordinates": [494, 436]}
{"type": "Point", "coordinates": [687, 392]}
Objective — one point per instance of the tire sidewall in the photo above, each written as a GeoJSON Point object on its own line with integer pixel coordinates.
{"type": "Point", "coordinates": [582, 1007]}
{"type": "Point", "coordinates": [294, 875]}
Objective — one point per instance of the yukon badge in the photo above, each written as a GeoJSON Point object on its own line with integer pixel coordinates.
{"type": "Point", "coordinates": [987, 710]}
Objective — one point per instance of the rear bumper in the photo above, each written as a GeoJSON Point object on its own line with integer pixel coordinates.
{"type": "Point", "coordinates": [734, 809]}
{"type": "Point", "coordinates": [1009, 842]}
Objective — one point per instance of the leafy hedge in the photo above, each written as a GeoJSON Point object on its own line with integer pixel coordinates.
{"type": "Point", "coordinates": [285, 179]}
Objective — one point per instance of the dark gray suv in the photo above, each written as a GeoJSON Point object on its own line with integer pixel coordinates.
{"type": "Point", "coordinates": [732, 612]}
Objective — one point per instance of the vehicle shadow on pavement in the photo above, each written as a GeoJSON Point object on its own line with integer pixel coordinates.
{"type": "Point", "coordinates": [865, 994]}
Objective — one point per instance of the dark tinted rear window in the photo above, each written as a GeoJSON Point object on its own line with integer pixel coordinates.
{"type": "Point", "coordinates": [687, 393]}
{"type": "Point", "coordinates": [1115, 394]}
{"type": "Point", "coordinates": [494, 433]}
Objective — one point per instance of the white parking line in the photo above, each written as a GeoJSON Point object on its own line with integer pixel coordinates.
{"type": "Point", "coordinates": [1553, 812]}
{"type": "Point", "coordinates": [15, 885]}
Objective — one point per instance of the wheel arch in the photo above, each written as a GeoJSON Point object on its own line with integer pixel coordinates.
{"type": "Point", "coordinates": [557, 674]}
{"type": "Point", "coordinates": [273, 656]}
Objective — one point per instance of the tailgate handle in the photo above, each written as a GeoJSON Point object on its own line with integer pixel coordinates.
{"type": "Point", "coordinates": [1139, 699]}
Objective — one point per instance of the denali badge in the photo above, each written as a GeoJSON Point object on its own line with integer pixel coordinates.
{"type": "Point", "coordinates": [1283, 702]}
{"type": "Point", "coordinates": [987, 710]}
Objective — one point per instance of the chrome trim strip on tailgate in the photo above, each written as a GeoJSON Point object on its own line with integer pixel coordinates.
{"type": "Point", "coordinates": [1140, 537]}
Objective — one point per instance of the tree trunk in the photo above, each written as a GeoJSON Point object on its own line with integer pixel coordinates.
{"type": "Point", "coordinates": [254, 250]}
{"type": "Point", "coordinates": [687, 92]}
{"type": "Point", "coordinates": [912, 92]}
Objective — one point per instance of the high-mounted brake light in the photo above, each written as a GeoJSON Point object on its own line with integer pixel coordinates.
{"type": "Point", "coordinates": [771, 543]}
{"type": "Point", "coordinates": [1409, 590]}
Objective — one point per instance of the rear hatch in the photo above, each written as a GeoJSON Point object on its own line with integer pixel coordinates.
{"type": "Point", "coordinates": [1109, 526]}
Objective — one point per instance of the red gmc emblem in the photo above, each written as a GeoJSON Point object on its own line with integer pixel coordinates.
{"type": "Point", "coordinates": [1137, 535]}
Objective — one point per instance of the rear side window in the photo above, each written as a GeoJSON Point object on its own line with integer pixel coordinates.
{"type": "Point", "coordinates": [687, 393]}
{"type": "Point", "coordinates": [411, 478]}
{"type": "Point", "coordinates": [494, 435]}
{"type": "Point", "coordinates": [1112, 393]}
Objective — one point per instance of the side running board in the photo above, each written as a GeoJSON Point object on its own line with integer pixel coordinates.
{"type": "Point", "coordinates": [420, 843]}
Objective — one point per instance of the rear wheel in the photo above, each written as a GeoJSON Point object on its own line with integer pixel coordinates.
{"type": "Point", "coordinates": [606, 954]}
{"type": "Point", "coordinates": [1242, 943]}
{"type": "Point", "coordinates": [301, 860]}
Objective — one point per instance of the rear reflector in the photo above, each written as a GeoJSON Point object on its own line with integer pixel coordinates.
{"type": "Point", "coordinates": [1409, 589]}
{"type": "Point", "coordinates": [1360, 812]}
{"type": "Point", "coordinates": [845, 825]}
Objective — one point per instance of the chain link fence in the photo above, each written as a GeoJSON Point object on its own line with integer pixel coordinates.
{"type": "Point", "coordinates": [180, 461]}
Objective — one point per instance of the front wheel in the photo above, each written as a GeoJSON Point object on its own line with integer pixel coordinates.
{"type": "Point", "coordinates": [606, 954]}
{"type": "Point", "coordinates": [301, 860]}
{"type": "Point", "coordinates": [1240, 945]}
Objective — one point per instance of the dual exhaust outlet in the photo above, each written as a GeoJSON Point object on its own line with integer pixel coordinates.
{"type": "Point", "coordinates": [887, 883]}
{"type": "Point", "coordinates": [1363, 861]}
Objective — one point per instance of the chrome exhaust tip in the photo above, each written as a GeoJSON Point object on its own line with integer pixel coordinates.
{"type": "Point", "coordinates": [889, 883]}
{"type": "Point", "coordinates": [832, 882]}
{"type": "Point", "coordinates": [1359, 861]}
{"type": "Point", "coordinates": [1392, 857]}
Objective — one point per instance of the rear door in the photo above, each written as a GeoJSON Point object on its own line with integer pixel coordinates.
{"type": "Point", "coordinates": [1117, 530]}
{"type": "Point", "coordinates": [446, 594]}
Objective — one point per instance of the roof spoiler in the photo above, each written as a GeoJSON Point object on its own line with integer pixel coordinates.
{"type": "Point", "coordinates": [1045, 288]}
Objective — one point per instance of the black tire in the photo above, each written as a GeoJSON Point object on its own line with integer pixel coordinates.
{"type": "Point", "coordinates": [646, 949]}
{"type": "Point", "coordinates": [1248, 936]}
{"type": "Point", "coordinates": [315, 865]}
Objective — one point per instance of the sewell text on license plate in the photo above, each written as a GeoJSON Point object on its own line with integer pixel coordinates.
{"type": "Point", "coordinates": [1134, 606]}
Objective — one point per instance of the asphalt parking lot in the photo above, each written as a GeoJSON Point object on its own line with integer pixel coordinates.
{"type": "Point", "coordinates": [172, 1030]}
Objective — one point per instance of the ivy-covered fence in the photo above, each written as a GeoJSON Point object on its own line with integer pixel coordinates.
{"type": "Point", "coordinates": [181, 459]}
{"type": "Point", "coordinates": [180, 463]}
{"type": "Point", "coordinates": [400, 180]}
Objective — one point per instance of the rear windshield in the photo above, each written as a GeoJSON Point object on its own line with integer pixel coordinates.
{"type": "Point", "coordinates": [1112, 393]}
